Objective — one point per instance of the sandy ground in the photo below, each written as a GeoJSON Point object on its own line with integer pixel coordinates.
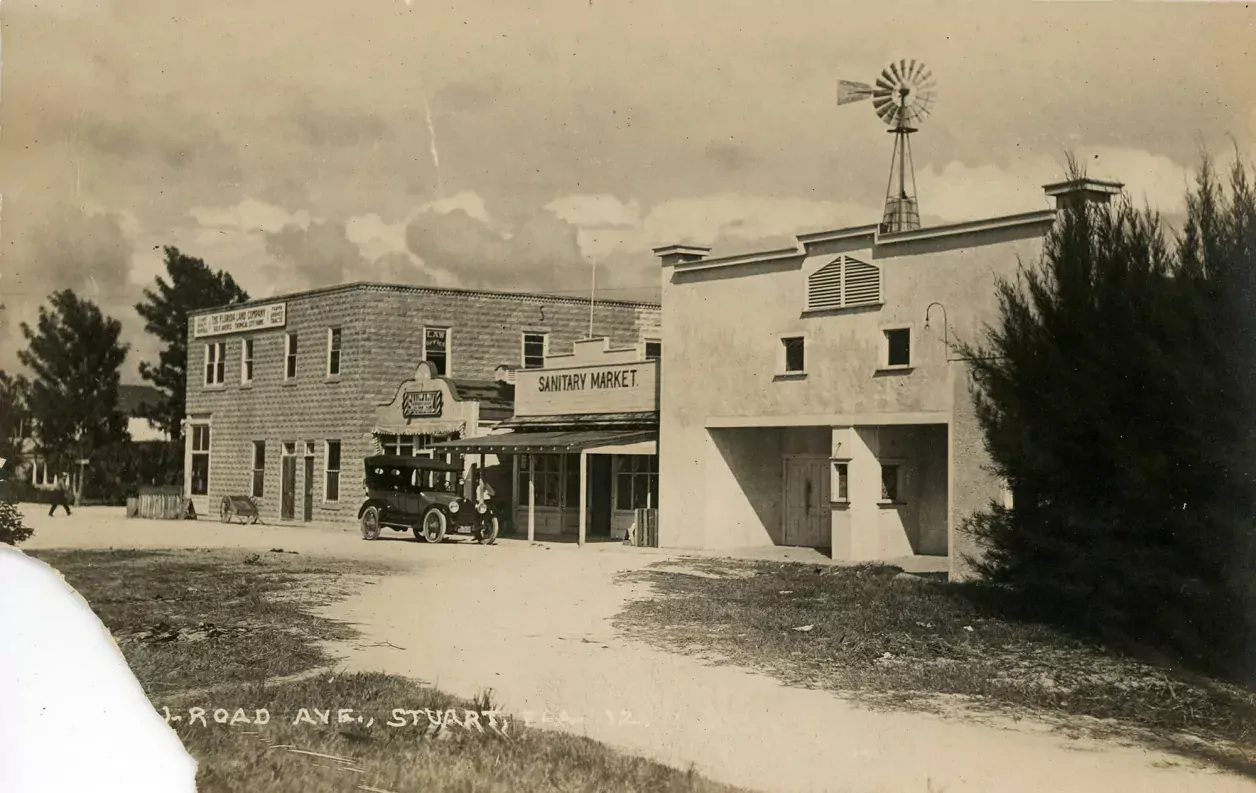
{"type": "Point", "coordinates": [532, 622]}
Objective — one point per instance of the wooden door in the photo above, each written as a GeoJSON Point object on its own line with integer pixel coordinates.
{"type": "Point", "coordinates": [808, 519]}
{"type": "Point", "coordinates": [288, 488]}
{"type": "Point", "coordinates": [309, 490]}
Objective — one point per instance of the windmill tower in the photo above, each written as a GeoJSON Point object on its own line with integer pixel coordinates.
{"type": "Point", "coordinates": [902, 98]}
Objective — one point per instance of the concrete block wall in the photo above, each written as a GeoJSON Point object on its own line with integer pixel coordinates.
{"type": "Point", "coordinates": [972, 484]}
{"type": "Point", "coordinates": [381, 345]}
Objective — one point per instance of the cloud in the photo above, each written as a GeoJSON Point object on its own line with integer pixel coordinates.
{"type": "Point", "coordinates": [250, 215]}
{"type": "Point", "coordinates": [957, 191]}
{"type": "Point", "coordinates": [728, 154]}
{"type": "Point", "coordinates": [736, 217]}
{"type": "Point", "coordinates": [469, 202]}
{"type": "Point", "coordinates": [322, 254]}
{"type": "Point", "coordinates": [335, 125]}
{"type": "Point", "coordinates": [596, 210]}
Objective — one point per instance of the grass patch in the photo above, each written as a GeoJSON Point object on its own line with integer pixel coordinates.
{"type": "Point", "coordinates": [210, 630]}
{"type": "Point", "coordinates": [199, 619]}
{"type": "Point", "coordinates": [904, 642]}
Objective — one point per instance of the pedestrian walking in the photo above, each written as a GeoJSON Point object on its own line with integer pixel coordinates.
{"type": "Point", "coordinates": [61, 496]}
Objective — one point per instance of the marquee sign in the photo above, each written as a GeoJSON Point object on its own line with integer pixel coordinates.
{"type": "Point", "coordinates": [422, 404]}
{"type": "Point", "coordinates": [244, 319]}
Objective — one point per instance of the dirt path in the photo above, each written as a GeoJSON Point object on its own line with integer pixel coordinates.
{"type": "Point", "coordinates": [533, 624]}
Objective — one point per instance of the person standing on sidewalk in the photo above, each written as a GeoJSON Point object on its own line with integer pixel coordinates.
{"type": "Point", "coordinates": [61, 496]}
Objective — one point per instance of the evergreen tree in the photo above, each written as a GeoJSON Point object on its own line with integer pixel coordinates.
{"type": "Point", "coordinates": [76, 357]}
{"type": "Point", "coordinates": [14, 418]}
{"type": "Point", "coordinates": [1110, 399]}
{"type": "Point", "coordinates": [192, 286]}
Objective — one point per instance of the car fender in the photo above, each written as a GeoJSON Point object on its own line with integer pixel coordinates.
{"type": "Point", "coordinates": [379, 504]}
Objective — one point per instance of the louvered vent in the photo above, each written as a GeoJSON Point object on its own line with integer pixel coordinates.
{"type": "Point", "coordinates": [824, 287]}
{"type": "Point", "coordinates": [863, 283]}
{"type": "Point", "coordinates": [842, 283]}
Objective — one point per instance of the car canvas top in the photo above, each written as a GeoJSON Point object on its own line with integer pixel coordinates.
{"type": "Point", "coordinates": [402, 461]}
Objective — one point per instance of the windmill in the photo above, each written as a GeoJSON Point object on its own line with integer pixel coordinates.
{"type": "Point", "coordinates": [902, 97]}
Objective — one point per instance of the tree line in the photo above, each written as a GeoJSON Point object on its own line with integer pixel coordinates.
{"type": "Point", "coordinates": [63, 412]}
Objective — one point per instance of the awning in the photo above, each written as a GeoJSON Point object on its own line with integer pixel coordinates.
{"type": "Point", "coordinates": [641, 420]}
{"type": "Point", "coordinates": [536, 442]}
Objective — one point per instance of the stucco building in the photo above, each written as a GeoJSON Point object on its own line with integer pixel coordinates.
{"type": "Point", "coordinates": [287, 395]}
{"type": "Point", "coordinates": [811, 396]}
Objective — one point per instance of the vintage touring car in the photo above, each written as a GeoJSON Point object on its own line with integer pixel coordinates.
{"type": "Point", "coordinates": [422, 495]}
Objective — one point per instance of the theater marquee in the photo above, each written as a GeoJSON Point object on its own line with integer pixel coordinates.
{"type": "Point", "coordinates": [240, 320]}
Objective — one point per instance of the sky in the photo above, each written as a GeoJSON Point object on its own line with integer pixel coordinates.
{"type": "Point", "coordinates": [519, 144]}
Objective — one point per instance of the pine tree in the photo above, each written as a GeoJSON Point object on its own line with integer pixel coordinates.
{"type": "Point", "coordinates": [192, 286]}
{"type": "Point", "coordinates": [1110, 402]}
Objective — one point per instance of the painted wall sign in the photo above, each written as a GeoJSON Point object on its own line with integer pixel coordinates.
{"type": "Point", "coordinates": [258, 318]}
{"type": "Point", "coordinates": [422, 404]}
{"type": "Point", "coordinates": [607, 388]}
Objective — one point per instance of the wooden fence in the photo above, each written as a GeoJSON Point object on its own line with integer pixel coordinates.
{"type": "Point", "coordinates": [646, 530]}
{"type": "Point", "coordinates": [158, 503]}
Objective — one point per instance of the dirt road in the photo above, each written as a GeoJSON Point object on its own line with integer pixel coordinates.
{"type": "Point", "coordinates": [532, 622]}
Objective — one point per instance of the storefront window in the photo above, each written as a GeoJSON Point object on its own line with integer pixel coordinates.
{"type": "Point", "coordinates": [548, 480]}
{"type": "Point", "coordinates": [573, 480]}
{"type": "Point", "coordinates": [637, 482]}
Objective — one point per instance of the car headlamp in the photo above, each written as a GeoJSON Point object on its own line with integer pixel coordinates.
{"type": "Point", "coordinates": [453, 506]}
{"type": "Point", "coordinates": [481, 508]}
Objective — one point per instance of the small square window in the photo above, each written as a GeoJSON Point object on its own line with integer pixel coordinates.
{"type": "Point", "coordinates": [795, 355]}
{"type": "Point", "coordinates": [653, 350]}
{"type": "Point", "coordinates": [889, 483]}
{"type": "Point", "coordinates": [841, 481]}
{"type": "Point", "coordinates": [898, 347]}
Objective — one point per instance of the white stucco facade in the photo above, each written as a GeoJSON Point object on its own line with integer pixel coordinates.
{"type": "Point", "coordinates": [792, 415]}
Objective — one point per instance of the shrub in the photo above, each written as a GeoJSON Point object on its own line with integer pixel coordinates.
{"type": "Point", "coordinates": [12, 528]}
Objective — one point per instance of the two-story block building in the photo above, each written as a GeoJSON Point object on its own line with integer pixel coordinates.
{"type": "Point", "coordinates": [287, 395]}
{"type": "Point", "coordinates": [812, 396]}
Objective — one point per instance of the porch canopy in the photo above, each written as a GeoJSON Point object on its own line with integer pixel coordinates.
{"type": "Point", "coordinates": [570, 441]}
{"type": "Point", "coordinates": [564, 441]}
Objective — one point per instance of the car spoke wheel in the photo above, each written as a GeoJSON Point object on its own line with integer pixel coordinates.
{"type": "Point", "coordinates": [433, 526]}
{"type": "Point", "coordinates": [489, 529]}
{"type": "Point", "coordinates": [370, 524]}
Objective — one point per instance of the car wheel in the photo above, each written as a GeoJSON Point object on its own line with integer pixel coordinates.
{"type": "Point", "coordinates": [433, 526]}
{"type": "Point", "coordinates": [370, 524]}
{"type": "Point", "coordinates": [489, 529]}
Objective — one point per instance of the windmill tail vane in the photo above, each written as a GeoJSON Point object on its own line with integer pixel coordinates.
{"type": "Point", "coordinates": [902, 97]}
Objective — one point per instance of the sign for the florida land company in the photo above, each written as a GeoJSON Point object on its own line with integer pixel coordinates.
{"type": "Point", "coordinates": [624, 388]}
{"type": "Point", "coordinates": [258, 318]}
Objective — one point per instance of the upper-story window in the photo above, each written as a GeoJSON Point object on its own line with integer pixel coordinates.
{"type": "Point", "coordinates": [333, 351]}
{"type": "Point", "coordinates": [844, 282]}
{"type": "Point", "coordinates": [534, 345]}
{"type": "Point", "coordinates": [290, 356]}
{"type": "Point", "coordinates": [897, 347]}
{"type": "Point", "coordinates": [793, 355]}
{"type": "Point", "coordinates": [653, 350]}
{"type": "Point", "coordinates": [436, 349]}
{"type": "Point", "coordinates": [246, 361]}
{"type": "Point", "coordinates": [215, 363]}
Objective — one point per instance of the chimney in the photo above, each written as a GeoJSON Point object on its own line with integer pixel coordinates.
{"type": "Point", "coordinates": [681, 254]}
{"type": "Point", "coordinates": [1076, 192]}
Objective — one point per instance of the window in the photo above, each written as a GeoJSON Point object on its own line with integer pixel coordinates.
{"type": "Point", "coordinates": [333, 351]}
{"type": "Point", "coordinates": [331, 488]}
{"type": "Point", "coordinates": [534, 345]}
{"type": "Point", "coordinates": [290, 356]}
{"type": "Point", "coordinates": [898, 347]}
{"type": "Point", "coordinates": [795, 356]}
{"type": "Point", "coordinates": [215, 364]}
{"type": "Point", "coordinates": [573, 481]}
{"type": "Point", "coordinates": [653, 350]}
{"type": "Point", "coordinates": [547, 479]}
{"type": "Point", "coordinates": [889, 482]}
{"type": "Point", "coordinates": [841, 481]}
{"type": "Point", "coordinates": [259, 469]}
{"type": "Point", "coordinates": [844, 283]}
{"type": "Point", "coordinates": [636, 482]}
{"type": "Point", "coordinates": [436, 349]}
{"type": "Point", "coordinates": [405, 445]}
{"type": "Point", "coordinates": [200, 459]}
{"type": "Point", "coordinates": [246, 361]}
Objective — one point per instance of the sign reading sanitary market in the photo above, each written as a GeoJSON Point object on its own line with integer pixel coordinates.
{"type": "Point", "coordinates": [629, 387]}
{"type": "Point", "coordinates": [422, 404]}
{"type": "Point", "coordinates": [243, 319]}
{"type": "Point", "coordinates": [584, 381]}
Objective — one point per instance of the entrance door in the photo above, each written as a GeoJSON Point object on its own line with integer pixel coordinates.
{"type": "Point", "coordinates": [288, 488]}
{"type": "Point", "coordinates": [808, 518]}
{"type": "Point", "coordinates": [309, 489]}
{"type": "Point", "coordinates": [599, 495]}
